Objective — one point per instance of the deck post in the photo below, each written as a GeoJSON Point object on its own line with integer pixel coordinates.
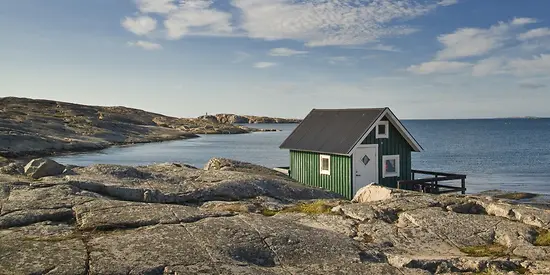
{"type": "Point", "coordinates": [463, 183]}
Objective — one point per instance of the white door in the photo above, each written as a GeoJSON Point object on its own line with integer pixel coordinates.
{"type": "Point", "coordinates": [365, 166]}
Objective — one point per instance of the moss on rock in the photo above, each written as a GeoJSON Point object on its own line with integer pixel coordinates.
{"type": "Point", "coordinates": [489, 250]}
{"type": "Point", "coordinates": [543, 238]}
{"type": "Point", "coordinates": [310, 208]}
{"type": "Point", "coordinates": [516, 196]}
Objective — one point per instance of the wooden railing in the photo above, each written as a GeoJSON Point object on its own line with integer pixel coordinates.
{"type": "Point", "coordinates": [432, 184]}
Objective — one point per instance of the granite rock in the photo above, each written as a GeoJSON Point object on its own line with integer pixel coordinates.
{"type": "Point", "coordinates": [235, 218]}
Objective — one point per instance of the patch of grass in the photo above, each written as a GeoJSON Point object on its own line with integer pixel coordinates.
{"type": "Point", "coordinates": [521, 270]}
{"type": "Point", "coordinates": [516, 196]}
{"type": "Point", "coordinates": [489, 250]}
{"type": "Point", "coordinates": [310, 208]}
{"type": "Point", "coordinates": [543, 238]}
{"type": "Point", "coordinates": [269, 213]}
{"type": "Point", "coordinates": [313, 208]}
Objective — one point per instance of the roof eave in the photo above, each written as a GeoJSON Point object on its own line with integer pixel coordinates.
{"type": "Point", "coordinates": [317, 152]}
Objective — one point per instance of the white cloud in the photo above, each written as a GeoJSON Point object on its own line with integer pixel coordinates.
{"type": "Point", "coordinates": [140, 25]}
{"type": "Point", "coordinates": [145, 45]}
{"type": "Point", "coordinates": [487, 66]}
{"type": "Point", "coordinates": [448, 2]}
{"type": "Point", "coordinates": [156, 6]}
{"type": "Point", "coordinates": [523, 21]}
{"type": "Point", "coordinates": [538, 65]}
{"type": "Point", "coordinates": [198, 17]}
{"type": "Point", "coordinates": [382, 47]}
{"type": "Point", "coordinates": [339, 60]}
{"type": "Point", "coordinates": [438, 67]}
{"type": "Point", "coordinates": [285, 52]}
{"type": "Point", "coordinates": [263, 65]}
{"type": "Point", "coordinates": [467, 42]}
{"type": "Point", "coordinates": [535, 33]}
{"type": "Point", "coordinates": [314, 22]}
{"type": "Point", "coordinates": [322, 23]}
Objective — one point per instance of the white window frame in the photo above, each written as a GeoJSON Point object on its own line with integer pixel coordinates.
{"type": "Point", "coordinates": [386, 124]}
{"type": "Point", "coordinates": [321, 158]}
{"type": "Point", "coordinates": [397, 166]}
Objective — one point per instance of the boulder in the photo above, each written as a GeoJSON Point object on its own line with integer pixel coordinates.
{"type": "Point", "coordinates": [42, 167]}
{"type": "Point", "coordinates": [372, 192]}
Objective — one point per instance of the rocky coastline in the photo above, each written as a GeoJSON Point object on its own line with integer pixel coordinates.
{"type": "Point", "coordinates": [246, 119]}
{"type": "Point", "coordinates": [229, 217]}
{"type": "Point", "coordinates": [232, 217]}
{"type": "Point", "coordinates": [33, 128]}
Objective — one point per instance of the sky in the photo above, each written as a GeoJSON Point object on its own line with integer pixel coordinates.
{"type": "Point", "coordinates": [185, 58]}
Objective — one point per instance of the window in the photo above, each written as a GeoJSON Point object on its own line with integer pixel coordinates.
{"type": "Point", "coordinates": [325, 165]}
{"type": "Point", "coordinates": [382, 129]}
{"type": "Point", "coordinates": [391, 166]}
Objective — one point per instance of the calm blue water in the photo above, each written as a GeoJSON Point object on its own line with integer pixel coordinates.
{"type": "Point", "coordinates": [507, 154]}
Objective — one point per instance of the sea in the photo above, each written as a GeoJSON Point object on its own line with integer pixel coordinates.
{"type": "Point", "coordinates": [504, 154]}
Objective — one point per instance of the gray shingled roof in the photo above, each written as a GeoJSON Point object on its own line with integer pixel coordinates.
{"type": "Point", "coordinates": [334, 131]}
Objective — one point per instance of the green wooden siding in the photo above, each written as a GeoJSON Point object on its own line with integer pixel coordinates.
{"type": "Point", "coordinates": [394, 145]}
{"type": "Point", "coordinates": [305, 168]}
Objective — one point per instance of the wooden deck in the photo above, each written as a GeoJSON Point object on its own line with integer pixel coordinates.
{"type": "Point", "coordinates": [432, 184]}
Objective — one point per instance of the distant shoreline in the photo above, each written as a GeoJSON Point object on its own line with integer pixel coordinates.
{"type": "Point", "coordinates": [488, 118]}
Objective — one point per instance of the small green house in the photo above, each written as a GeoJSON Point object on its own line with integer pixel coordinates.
{"type": "Point", "coordinates": [343, 150]}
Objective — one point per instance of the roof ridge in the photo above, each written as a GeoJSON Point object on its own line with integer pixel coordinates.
{"type": "Point", "coordinates": [351, 109]}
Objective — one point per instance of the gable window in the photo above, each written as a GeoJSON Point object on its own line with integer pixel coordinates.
{"type": "Point", "coordinates": [325, 164]}
{"type": "Point", "coordinates": [382, 129]}
{"type": "Point", "coordinates": [391, 166]}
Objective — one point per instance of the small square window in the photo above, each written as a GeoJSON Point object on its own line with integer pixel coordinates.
{"type": "Point", "coordinates": [382, 129]}
{"type": "Point", "coordinates": [325, 164]}
{"type": "Point", "coordinates": [391, 166]}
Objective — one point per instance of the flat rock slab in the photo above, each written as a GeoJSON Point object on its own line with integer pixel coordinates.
{"type": "Point", "coordinates": [109, 214]}
{"type": "Point", "coordinates": [25, 205]}
{"type": "Point", "coordinates": [405, 240]}
{"type": "Point", "coordinates": [330, 222]}
{"type": "Point", "coordinates": [42, 248]}
{"type": "Point", "coordinates": [52, 197]}
{"type": "Point", "coordinates": [226, 245]}
{"type": "Point", "coordinates": [167, 183]}
{"type": "Point", "coordinates": [463, 230]}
